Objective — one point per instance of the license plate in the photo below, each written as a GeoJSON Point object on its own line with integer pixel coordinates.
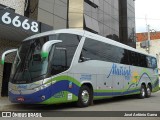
{"type": "Point", "coordinates": [20, 99]}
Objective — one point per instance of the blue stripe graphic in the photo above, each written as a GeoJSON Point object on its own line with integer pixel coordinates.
{"type": "Point", "coordinates": [48, 92]}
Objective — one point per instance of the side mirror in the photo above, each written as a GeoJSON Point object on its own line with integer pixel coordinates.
{"type": "Point", "coordinates": [47, 47]}
{"type": "Point", "coordinates": [5, 53]}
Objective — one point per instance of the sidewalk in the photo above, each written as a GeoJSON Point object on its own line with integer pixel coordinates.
{"type": "Point", "coordinates": [5, 103]}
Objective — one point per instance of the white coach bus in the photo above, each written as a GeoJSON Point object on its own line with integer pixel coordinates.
{"type": "Point", "coordinates": [75, 65]}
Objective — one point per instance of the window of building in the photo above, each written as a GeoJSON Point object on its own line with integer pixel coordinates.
{"type": "Point", "coordinates": [94, 3]}
{"type": "Point", "coordinates": [91, 24]}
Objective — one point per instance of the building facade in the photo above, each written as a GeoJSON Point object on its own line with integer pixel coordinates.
{"type": "Point", "coordinates": [51, 12]}
{"type": "Point", "coordinates": [114, 19]}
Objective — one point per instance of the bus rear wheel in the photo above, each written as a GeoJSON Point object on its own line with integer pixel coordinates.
{"type": "Point", "coordinates": [142, 94]}
{"type": "Point", "coordinates": [85, 96]}
{"type": "Point", "coordinates": [148, 91]}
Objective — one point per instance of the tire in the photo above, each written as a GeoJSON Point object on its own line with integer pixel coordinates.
{"type": "Point", "coordinates": [142, 94]}
{"type": "Point", "coordinates": [148, 91]}
{"type": "Point", "coordinates": [85, 97]}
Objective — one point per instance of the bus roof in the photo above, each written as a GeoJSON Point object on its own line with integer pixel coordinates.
{"type": "Point", "coordinates": [86, 34]}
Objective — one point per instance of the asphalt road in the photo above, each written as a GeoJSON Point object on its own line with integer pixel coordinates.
{"type": "Point", "coordinates": [129, 103]}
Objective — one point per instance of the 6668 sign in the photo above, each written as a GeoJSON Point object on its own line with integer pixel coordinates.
{"type": "Point", "coordinates": [18, 21]}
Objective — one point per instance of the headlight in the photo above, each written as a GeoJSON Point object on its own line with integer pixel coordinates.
{"type": "Point", "coordinates": [42, 87]}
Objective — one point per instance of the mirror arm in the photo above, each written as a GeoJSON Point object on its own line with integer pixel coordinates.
{"type": "Point", "coordinates": [47, 46]}
{"type": "Point", "coordinates": [5, 53]}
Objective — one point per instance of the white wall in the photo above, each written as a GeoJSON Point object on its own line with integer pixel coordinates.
{"type": "Point", "coordinates": [18, 5]}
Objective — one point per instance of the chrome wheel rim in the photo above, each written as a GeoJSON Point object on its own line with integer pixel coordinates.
{"type": "Point", "coordinates": [148, 91]}
{"type": "Point", "coordinates": [143, 92]}
{"type": "Point", "coordinates": [85, 96]}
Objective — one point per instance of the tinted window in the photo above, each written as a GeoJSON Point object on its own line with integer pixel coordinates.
{"type": "Point", "coordinates": [62, 53]}
{"type": "Point", "coordinates": [28, 68]}
{"type": "Point", "coordinates": [113, 53]}
{"type": "Point", "coordinates": [59, 61]}
{"type": "Point", "coordinates": [133, 58]}
{"type": "Point", "coordinates": [96, 50]}
{"type": "Point", "coordinates": [142, 60]}
{"type": "Point", "coordinates": [70, 43]}
{"type": "Point", "coordinates": [148, 62]}
{"type": "Point", "coordinates": [91, 51]}
{"type": "Point", "coordinates": [125, 58]}
{"type": "Point", "coordinates": [151, 62]}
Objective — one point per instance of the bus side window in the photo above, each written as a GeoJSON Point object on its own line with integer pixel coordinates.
{"type": "Point", "coordinates": [153, 62]}
{"type": "Point", "coordinates": [142, 60]}
{"type": "Point", "coordinates": [125, 58]}
{"type": "Point", "coordinates": [137, 63]}
{"type": "Point", "coordinates": [131, 58]}
{"type": "Point", "coordinates": [70, 42]}
{"type": "Point", "coordinates": [149, 65]}
{"type": "Point", "coordinates": [134, 59]}
{"type": "Point", "coordinates": [90, 50]}
{"type": "Point", "coordinates": [59, 61]}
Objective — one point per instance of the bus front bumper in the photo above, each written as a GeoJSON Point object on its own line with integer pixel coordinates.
{"type": "Point", "coordinates": [32, 98]}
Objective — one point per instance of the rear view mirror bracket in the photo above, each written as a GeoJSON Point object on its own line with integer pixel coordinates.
{"type": "Point", "coordinates": [5, 53]}
{"type": "Point", "coordinates": [47, 46]}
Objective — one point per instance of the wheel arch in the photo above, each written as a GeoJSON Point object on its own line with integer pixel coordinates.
{"type": "Point", "coordinates": [143, 83]}
{"type": "Point", "coordinates": [88, 84]}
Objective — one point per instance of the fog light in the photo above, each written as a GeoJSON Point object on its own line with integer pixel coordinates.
{"type": "Point", "coordinates": [43, 97]}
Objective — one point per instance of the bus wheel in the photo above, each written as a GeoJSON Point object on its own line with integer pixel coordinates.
{"type": "Point", "coordinates": [142, 94]}
{"type": "Point", "coordinates": [148, 91]}
{"type": "Point", "coordinates": [85, 96]}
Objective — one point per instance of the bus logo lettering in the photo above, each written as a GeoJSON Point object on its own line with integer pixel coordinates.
{"type": "Point", "coordinates": [120, 71]}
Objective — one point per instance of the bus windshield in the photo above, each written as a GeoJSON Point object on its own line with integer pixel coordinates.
{"type": "Point", "coordinates": [26, 68]}
{"type": "Point", "coordinates": [30, 67]}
